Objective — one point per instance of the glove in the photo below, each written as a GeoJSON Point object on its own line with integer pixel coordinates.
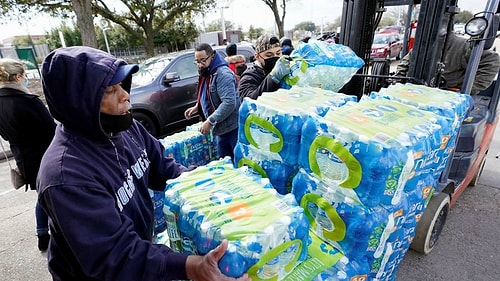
{"type": "Point", "coordinates": [281, 69]}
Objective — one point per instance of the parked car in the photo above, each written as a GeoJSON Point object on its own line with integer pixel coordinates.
{"type": "Point", "coordinates": [459, 28]}
{"type": "Point", "coordinates": [387, 45]}
{"type": "Point", "coordinates": [392, 29]}
{"type": "Point", "coordinates": [165, 86]}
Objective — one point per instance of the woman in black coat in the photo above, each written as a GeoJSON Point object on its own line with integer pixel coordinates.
{"type": "Point", "coordinates": [29, 128]}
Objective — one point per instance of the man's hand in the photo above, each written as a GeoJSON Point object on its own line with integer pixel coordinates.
{"type": "Point", "coordinates": [205, 128]}
{"type": "Point", "coordinates": [281, 69]}
{"type": "Point", "coordinates": [191, 111]}
{"type": "Point", "coordinates": [201, 268]}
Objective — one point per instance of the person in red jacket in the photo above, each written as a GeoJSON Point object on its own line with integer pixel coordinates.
{"type": "Point", "coordinates": [233, 59]}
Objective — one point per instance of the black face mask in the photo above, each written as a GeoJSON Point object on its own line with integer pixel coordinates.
{"type": "Point", "coordinates": [269, 64]}
{"type": "Point", "coordinates": [115, 123]}
{"type": "Point", "coordinates": [203, 72]}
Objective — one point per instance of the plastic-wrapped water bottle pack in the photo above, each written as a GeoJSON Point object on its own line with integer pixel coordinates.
{"type": "Point", "coordinates": [189, 148]}
{"type": "Point", "coordinates": [452, 105]}
{"type": "Point", "coordinates": [322, 65]}
{"type": "Point", "coordinates": [267, 232]}
{"type": "Point", "coordinates": [269, 133]}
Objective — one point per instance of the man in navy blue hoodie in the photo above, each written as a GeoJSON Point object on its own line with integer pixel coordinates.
{"type": "Point", "coordinates": [94, 178]}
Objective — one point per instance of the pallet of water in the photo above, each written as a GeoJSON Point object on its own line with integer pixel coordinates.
{"type": "Point", "coordinates": [365, 174]}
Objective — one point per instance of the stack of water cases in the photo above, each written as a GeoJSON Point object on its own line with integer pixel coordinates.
{"type": "Point", "coordinates": [363, 181]}
{"type": "Point", "coordinates": [212, 149]}
{"type": "Point", "coordinates": [270, 129]}
{"type": "Point", "coordinates": [452, 105]}
{"type": "Point", "coordinates": [322, 65]}
{"type": "Point", "coordinates": [189, 147]}
{"type": "Point", "coordinates": [267, 232]}
{"type": "Point", "coordinates": [160, 224]}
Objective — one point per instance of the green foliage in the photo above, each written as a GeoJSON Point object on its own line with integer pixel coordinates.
{"type": "Point", "coordinates": [216, 25]}
{"type": "Point", "coordinates": [305, 26]}
{"type": "Point", "coordinates": [386, 21]}
{"type": "Point", "coordinates": [177, 35]}
{"type": "Point", "coordinates": [71, 35]}
{"type": "Point", "coordinates": [142, 19]}
{"type": "Point", "coordinates": [118, 38]}
{"type": "Point", "coordinates": [462, 17]}
{"type": "Point", "coordinates": [254, 33]}
{"type": "Point", "coordinates": [23, 41]}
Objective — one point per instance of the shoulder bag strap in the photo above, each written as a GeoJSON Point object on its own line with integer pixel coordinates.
{"type": "Point", "coordinates": [5, 153]}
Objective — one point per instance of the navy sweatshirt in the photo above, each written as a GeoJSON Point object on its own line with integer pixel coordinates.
{"type": "Point", "coordinates": [95, 187]}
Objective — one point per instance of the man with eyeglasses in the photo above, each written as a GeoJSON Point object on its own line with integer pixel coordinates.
{"type": "Point", "coordinates": [218, 99]}
{"type": "Point", "coordinates": [269, 68]}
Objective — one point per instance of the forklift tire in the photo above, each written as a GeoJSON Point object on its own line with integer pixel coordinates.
{"type": "Point", "coordinates": [478, 173]}
{"type": "Point", "coordinates": [431, 223]}
{"type": "Point", "coordinates": [379, 67]}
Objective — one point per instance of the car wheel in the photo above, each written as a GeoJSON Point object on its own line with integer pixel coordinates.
{"type": "Point", "coordinates": [431, 223]}
{"type": "Point", "coordinates": [147, 122]}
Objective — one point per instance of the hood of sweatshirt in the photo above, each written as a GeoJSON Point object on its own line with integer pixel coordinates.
{"type": "Point", "coordinates": [216, 62]}
{"type": "Point", "coordinates": [74, 80]}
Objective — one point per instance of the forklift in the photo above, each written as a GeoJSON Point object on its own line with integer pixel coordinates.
{"type": "Point", "coordinates": [360, 19]}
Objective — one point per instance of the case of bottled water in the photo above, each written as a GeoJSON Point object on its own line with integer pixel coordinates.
{"type": "Point", "coordinates": [269, 133]}
{"type": "Point", "coordinates": [322, 65]}
{"type": "Point", "coordinates": [267, 232]}
{"type": "Point", "coordinates": [189, 148]}
{"type": "Point", "coordinates": [452, 105]}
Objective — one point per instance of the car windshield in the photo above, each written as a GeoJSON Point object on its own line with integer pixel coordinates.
{"type": "Point", "coordinates": [149, 70]}
{"type": "Point", "coordinates": [380, 40]}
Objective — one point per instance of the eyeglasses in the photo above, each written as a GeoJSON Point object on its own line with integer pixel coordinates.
{"type": "Point", "coordinates": [202, 61]}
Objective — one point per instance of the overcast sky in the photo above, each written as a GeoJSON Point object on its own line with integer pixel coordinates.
{"type": "Point", "coordinates": [241, 12]}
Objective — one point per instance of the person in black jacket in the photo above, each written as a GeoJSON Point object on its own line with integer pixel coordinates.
{"type": "Point", "coordinates": [268, 69]}
{"type": "Point", "coordinates": [29, 128]}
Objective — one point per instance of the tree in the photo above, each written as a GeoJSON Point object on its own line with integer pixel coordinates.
{"type": "Point", "coordinates": [279, 19]}
{"type": "Point", "coordinates": [72, 37]}
{"type": "Point", "coordinates": [23, 9]}
{"type": "Point", "coordinates": [118, 38]}
{"type": "Point", "coordinates": [143, 19]}
{"type": "Point", "coordinates": [254, 33]}
{"type": "Point", "coordinates": [23, 41]}
{"type": "Point", "coordinates": [306, 26]}
{"type": "Point", "coordinates": [216, 25]}
{"type": "Point", "coordinates": [177, 35]}
{"type": "Point", "coordinates": [462, 17]}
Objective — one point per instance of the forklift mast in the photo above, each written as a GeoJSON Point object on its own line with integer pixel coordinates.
{"type": "Point", "coordinates": [359, 22]}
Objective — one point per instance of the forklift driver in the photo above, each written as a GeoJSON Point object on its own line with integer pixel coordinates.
{"type": "Point", "coordinates": [458, 51]}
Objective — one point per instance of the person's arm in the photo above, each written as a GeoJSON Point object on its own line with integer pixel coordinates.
{"type": "Point", "coordinates": [254, 82]}
{"type": "Point", "coordinates": [106, 247]}
{"type": "Point", "coordinates": [404, 65]}
{"type": "Point", "coordinates": [190, 112]}
{"type": "Point", "coordinates": [486, 71]}
{"type": "Point", "coordinates": [228, 95]}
